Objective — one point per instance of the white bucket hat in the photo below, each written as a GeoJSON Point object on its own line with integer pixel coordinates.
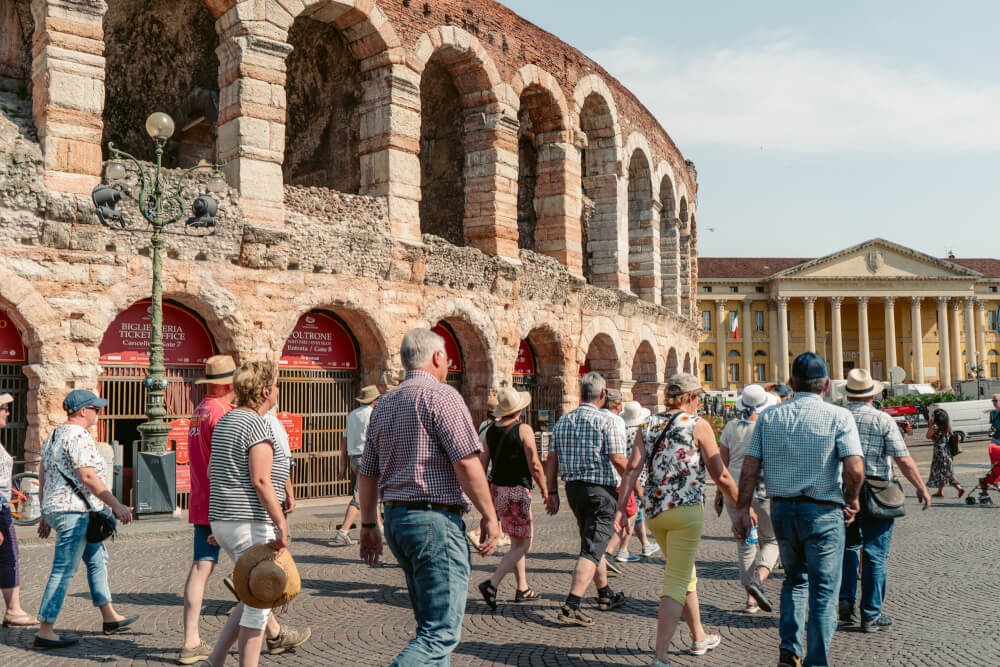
{"type": "Point", "coordinates": [755, 399]}
{"type": "Point", "coordinates": [634, 414]}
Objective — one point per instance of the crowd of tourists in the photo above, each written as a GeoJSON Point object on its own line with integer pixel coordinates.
{"type": "Point", "coordinates": [806, 484]}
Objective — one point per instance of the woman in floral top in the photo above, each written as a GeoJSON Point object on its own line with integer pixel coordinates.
{"type": "Point", "coordinates": [675, 448]}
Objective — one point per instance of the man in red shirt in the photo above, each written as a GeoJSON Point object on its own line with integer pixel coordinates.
{"type": "Point", "coordinates": [218, 382]}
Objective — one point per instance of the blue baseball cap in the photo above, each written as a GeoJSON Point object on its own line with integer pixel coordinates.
{"type": "Point", "coordinates": [79, 399]}
{"type": "Point", "coordinates": [809, 366]}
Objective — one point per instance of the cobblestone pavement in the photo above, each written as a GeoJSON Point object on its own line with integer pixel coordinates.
{"type": "Point", "coordinates": [943, 593]}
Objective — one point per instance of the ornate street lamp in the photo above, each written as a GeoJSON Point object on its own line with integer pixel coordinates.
{"type": "Point", "coordinates": [160, 207]}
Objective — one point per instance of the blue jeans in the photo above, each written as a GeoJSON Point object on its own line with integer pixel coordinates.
{"type": "Point", "coordinates": [876, 537]}
{"type": "Point", "coordinates": [811, 541]}
{"type": "Point", "coordinates": [71, 546]}
{"type": "Point", "coordinates": [431, 548]}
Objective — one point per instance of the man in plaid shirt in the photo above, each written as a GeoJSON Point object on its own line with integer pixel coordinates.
{"type": "Point", "coordinates": [422, 457]}
{"type": "Point", "coordinates": [586, 450]}
{"type": "Point", "coordinates": [880, 440]}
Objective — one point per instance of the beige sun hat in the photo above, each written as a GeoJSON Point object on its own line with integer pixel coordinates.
{"type": "Point", "coordinates": [634, 414]}
{"type": "Point", "coordinates": [682, 383]}
{"type": "Point", "coordinates": [218, 370]}
{"type": "Point", "coordinates": [510, 401]}
{"type": "Point", "coordinates": [5, 399]}
{"type": "Point", "coordinates": [861, 385]}
{"type": "Point", "coordinates": [368, 395]}
{"type": "Point", "coordinates": [265, 578]}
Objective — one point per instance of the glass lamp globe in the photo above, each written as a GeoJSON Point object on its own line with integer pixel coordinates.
{"type": "Point", "coordinates": [217, 184]}
{"type": "Point", "coordinates": [115, 171]}
{"type": "Point", "coordinates": [160, 126]}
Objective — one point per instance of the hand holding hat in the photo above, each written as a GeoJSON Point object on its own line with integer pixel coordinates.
{"type": "Point", "coordinates": [265, 578]}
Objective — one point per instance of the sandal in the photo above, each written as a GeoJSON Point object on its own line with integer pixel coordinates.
{"type": "Point", "coordinates": [528, 594]}
{"type": "Point", "coordinates": [24, 620]}
{"type": "Point", "coordinates": [489, 593]}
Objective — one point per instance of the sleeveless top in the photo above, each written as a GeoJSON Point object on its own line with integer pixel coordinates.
{"type": "Point", "coordinates": [510, 465]}
{"type": "Point", "coordinates": [676, 474]}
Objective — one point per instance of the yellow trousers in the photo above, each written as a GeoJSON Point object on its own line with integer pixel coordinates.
{"type": "Point", "coordinates": [678, 532]}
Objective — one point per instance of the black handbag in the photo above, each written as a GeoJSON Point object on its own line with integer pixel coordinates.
{"type": "Point", "coordinates": [102, 523]}
{"type": "Point", "coordinates": [883, 498]}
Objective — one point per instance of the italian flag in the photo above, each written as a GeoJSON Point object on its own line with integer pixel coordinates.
{"type": "Point", "coordinates": [734, 323]}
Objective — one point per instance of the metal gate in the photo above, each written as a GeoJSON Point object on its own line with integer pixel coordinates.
{"type": "Point", "coordinates": [323, 398]}
{"type": "Point", "coordinates": [544, 396]}
{"type": "Point", "coordinates": [14, 382]}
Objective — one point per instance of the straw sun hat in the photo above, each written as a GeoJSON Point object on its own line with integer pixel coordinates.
{"type": "Point", "coordinates": [368, 395]}
{"type": "Point", "coordinates": [218, 370]}
{"type": "Point", "coordinates": [510, 401]}
{"type": "Point", "coordinates": [265, 578]}
{"type": "Point", "coordinates": [861, 385]}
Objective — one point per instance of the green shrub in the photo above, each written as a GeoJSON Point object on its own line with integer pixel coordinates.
{"type": "Point", "coordinates": [923, 399]}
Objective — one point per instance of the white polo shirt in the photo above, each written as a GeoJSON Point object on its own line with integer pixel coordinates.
{"type": "Point", "coordinates": [357, 429]}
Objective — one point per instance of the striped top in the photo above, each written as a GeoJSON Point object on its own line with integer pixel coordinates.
{"type": "Point", "coordinates": [232, 496]}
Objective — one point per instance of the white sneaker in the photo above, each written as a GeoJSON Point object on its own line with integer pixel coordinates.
{"type": "Point", "coordinates": [650, 549]}
{"type": "Point", "coordinates": [701, 648]}
{"type": "Point", "coordinates": [626, 557]}
{"type": "Point", "coordinates": [341, 539]}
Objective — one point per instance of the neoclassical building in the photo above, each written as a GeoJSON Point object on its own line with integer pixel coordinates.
{"type": "Point", "coordinates": [874, 305]}
{"type": "Point", "coordinates": [390, 164]}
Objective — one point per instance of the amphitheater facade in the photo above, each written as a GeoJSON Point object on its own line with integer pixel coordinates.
{"type": "Point", "coordinates": [391, 164]}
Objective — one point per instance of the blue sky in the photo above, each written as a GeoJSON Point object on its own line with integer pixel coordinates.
{"type": "Point", "coordinates": [815, 125]}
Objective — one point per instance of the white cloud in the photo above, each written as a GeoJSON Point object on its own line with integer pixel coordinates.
{"type": "Point", "coordinates": [781, 95]}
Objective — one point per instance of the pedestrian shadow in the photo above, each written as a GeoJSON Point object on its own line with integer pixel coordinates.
{"type": "Point", "coordinates": [396, 596]}
{"type": "Point", "coordinates": [528, 653]}
{"type": "Point", "coordinates": [96, 647]}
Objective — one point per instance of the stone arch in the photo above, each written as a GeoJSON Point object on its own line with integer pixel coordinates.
{"type": "Point", "coordinates": [16, 28]}
{"type": "Point", "coordinates": [548, 385]}
{"type": "Point", "coordinates": [672, 367]}
{"type": "Point", "coordinates": [687, 362]}
{"type": "Point", "coordinates": [604, 250]}
{"type": "Point", "coordinates": [546, 205]}
{"type": "Point", "coordinates": [670, 237]}
{"type": "Point", "coordinates": [169, 48]}
{"type": "Point", "coordinates": [600, 342]}
{"type": "Point", "coordinates": [643, 230]}
{"type": "Point", "coordinates": [684, 253]}
{"type": "Point", "coordinates": [692, 284]}
{"type": "Point", "coordinates": [645, 375]}
{"type": "Point", "coordinates": [478, 339]}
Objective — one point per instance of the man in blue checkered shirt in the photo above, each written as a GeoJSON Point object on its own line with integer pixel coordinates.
{"type": "Point", "coordinates": [881, 441]}
{"type": "Point", "coordinates": [813, 469]}
{"type": "Point", "coordinates": [586, 450]}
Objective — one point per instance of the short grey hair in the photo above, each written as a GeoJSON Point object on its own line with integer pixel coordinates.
{"type": "Point", "coordinates": [419, 345]}
{"type": "Point", "coordinates": [591, 386]}
{"type": "Point", "coordinates": [811, 386]}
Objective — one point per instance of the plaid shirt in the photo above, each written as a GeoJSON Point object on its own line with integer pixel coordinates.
{"type": "Point", "coordinates": [584, 441]}
{"type": "Point", "coordinates": [880, 438]}
{"type": "Point", "coordinates": [801, 443]}
{"type": "Point", "coordinates": [416, 433]}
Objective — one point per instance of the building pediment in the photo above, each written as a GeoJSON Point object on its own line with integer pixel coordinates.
{"type": "Point", "coordinates": [878, 258]}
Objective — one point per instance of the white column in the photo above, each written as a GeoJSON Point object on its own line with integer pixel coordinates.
{"type": "Point", "coordinates": [957, 366]}
{"type": "Point", "coordinates": [918, 339]}
{"type": "Point", "coordinates": [837, 369]}
{"type": "Point", "coordinates": [747, 333]}
{"type": "Point", "coordinates": [981, 337]}
{"type": "Point", "coordinates": [944, 350]}
{"type": "Point", "coordinates": [864, 344]}
{"type": "Point", "coordinates": [772, 339]}
{"type": "Point", "coordinates": [890, 333]}
{"type": "Point", "coordinates": [782, 338]}
{"type": "Point", "coordinates": [810, 302]}
{"type": "Point", "coordinates": [721, 381]}
{"type": "Point", "coordinates": [970, 334]}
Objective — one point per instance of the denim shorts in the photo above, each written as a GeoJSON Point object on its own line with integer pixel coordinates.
{"type": "Point", "coordinates": [202, 549]}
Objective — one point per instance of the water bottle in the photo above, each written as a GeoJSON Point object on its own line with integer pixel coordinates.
{"type": "Point", "coordinates": [752, 537]}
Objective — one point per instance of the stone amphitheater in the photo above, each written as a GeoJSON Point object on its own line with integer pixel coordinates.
{"type": "Point", "coordinates": [391, 164]}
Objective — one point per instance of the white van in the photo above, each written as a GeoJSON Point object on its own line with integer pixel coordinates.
{"type": "Point", "coordinates": [968, 418]}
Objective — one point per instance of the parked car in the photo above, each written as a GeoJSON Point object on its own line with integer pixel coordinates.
{"type": "Point", "coordinates": [968, 418]}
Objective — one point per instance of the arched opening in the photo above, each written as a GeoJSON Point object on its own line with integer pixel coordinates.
{"type": "Point", "coordinates": [16, 28]}
{"type": "Point", "coordinates": [323, 113]}
{"type": "Point", "coordinates": [759, 366]}
{"type": "Point", "coordinates": [602, 357]}
{"type": "Point", "coordinates": [670, 265]}
{"type": "Point", "coordinates": [733, 364]}
{"type": "Point", "coordinates": [124, 365]}
{"type": "Point", "coordinates": [13, 381]}
{"type": "Point", "coordinates": [599, 222]}
{"type": "Point", "coordinates": [160, 56]}
{"type": "Point", "coordinates": [687, 362]}
{"type": "Point", "coordinates": [684, 250]}
{"type": "Point", "coordinates": [527, 178]}
{"type": "Point", "coordinates": [540, 125]}
{"type": "Point", "coordinates": [469, 367]}
{"type": "Point", "coordinates": [644, 376]}
{"type": "Point", "coordinates": [318, 379]}
{"type": "Point", "coordinates": [442, 154]}
{"type": "Point", "coordinates": [672, 364]}
{"type": "Point", "coordinates": [538, 370]}
{"type": "Point", "coordinates": [692, 283]}
{"type": "Point", "coordinates": [643, 242]}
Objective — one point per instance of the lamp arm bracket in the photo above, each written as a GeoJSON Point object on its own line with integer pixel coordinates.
{"type": "Point", "coordinates": [143, 181]}
{"type": "Point", "coordinates": [176, 194]}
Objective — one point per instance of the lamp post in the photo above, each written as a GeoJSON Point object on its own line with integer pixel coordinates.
{"type": "Point", "coordinates": [160, 207]}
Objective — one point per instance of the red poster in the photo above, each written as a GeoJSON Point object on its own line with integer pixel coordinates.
{"type": "Point", "coordinates": [585, 368]}
{"type": "Point", "coordinates": [186, 341]}
{"type": "Point", "coordinates": [293, 426]}
{"type": "Point", "coordinates": [451, 347]}
{"type": "Point", "coordinates": [525, 364]}
{"type": "Point", "coordinates": [178, 437]}
{"type": "Point", "coordinates": [11, 347]}
{"type": "Point", "coordinates": [183, 478]}
{"type": "Point", "coordinates": [319, 341]}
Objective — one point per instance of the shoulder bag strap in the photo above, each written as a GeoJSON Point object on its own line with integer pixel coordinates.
{"type": "Point", "coordinates": [656, 443]}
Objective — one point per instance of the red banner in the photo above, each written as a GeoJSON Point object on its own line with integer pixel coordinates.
{"type": "Point", "coordinates": [183, 478]}
{"type": "Point", "coordinates": [319, 341]}
{"type": "Point", "coordinates": [186, 341]}
{"type": "Point", "coordinates": [178, 436]}
{"type": "Point", "coordinates": [525, 364]}
{"type": "Point", "coordinates": [293, 427]}
{"type": "Point", "coordinates": [585, 368]}
{"type": "Point", "coordinates": [11, 347]}
{"type": "Point", "coordinates": [451, 348]}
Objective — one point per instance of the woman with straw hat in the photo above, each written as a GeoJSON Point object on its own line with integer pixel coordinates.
{"type": "Point", "coordinates": [510, 447]}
